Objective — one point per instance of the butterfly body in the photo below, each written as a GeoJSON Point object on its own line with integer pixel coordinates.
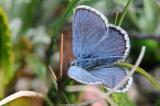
{"type": "Point", "coordinates": [97, 47]}
{"type": "Point", "coordinates": [95, 62]}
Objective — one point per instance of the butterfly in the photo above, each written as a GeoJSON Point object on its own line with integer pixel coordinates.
{"type": "Point", "coordinates": [97, 47]}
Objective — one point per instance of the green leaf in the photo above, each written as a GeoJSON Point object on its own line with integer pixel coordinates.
{"type": "Point", "coordinates": [121, 99]}
{"type": "Point", "coordinates": [143, 73]}
{"type": "Point", "coordinates": [6, 59]}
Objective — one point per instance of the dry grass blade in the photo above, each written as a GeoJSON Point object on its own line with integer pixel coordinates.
{"type": "Point", "coordinates": [59, 81]}
{"type": "Point", "coordinates": [20, 94]}
{"type": "Point", "coordinates": [54, 76]}
{"type": "Point", "coordinates": [61, 57]}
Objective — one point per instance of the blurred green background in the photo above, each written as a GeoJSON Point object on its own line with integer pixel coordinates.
{"type": "Point", "coordinates": [26, 30]}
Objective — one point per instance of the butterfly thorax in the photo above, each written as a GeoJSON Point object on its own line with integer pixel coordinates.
{"type": "Point", "coordinates": [95, 62]}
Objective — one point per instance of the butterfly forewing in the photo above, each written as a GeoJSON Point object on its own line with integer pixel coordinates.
{"type": "Point", "coordinates": [88, 28]}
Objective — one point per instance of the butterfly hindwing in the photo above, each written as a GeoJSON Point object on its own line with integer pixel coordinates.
{"type": "Point", "coordinates": [83, 76]}
{"type": "Point", "coordinates": [109, 77]}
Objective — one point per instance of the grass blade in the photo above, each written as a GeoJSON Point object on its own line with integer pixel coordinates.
{"type": "Point", "coordinates": [124, 13]}
{"type": "Point", "coordinates": [144, 73]}
{"type": "Point", "coordinates": [59, 26]}
{"type": "Point", "coordinates": [116, 19]}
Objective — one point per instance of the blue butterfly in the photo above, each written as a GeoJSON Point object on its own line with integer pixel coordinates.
{"type": "Point", "coordinates": [97, 47]}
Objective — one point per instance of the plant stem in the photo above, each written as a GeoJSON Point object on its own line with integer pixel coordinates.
{"type": "Point", "coordinates": [115, 22]}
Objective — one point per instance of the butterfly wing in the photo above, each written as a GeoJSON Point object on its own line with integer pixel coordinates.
{"type": "Point", "coordinates": [112, 76]}
{"type": "Point", "coordinates": [94, 37]}
{"type": "Point", "coordinates": [109, 77]}
{"type": "Point", "coordinates": [88, 28]}
{"type": "Point", "coordinates": [83, 76]}
{"type": "Point", "coordinates": [115, 42]}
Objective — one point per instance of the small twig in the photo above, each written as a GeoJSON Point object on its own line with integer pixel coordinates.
{"type": "Point", "coordinates": [130, 73]}
{"type": "Point", "coordinates": [20, 94]}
